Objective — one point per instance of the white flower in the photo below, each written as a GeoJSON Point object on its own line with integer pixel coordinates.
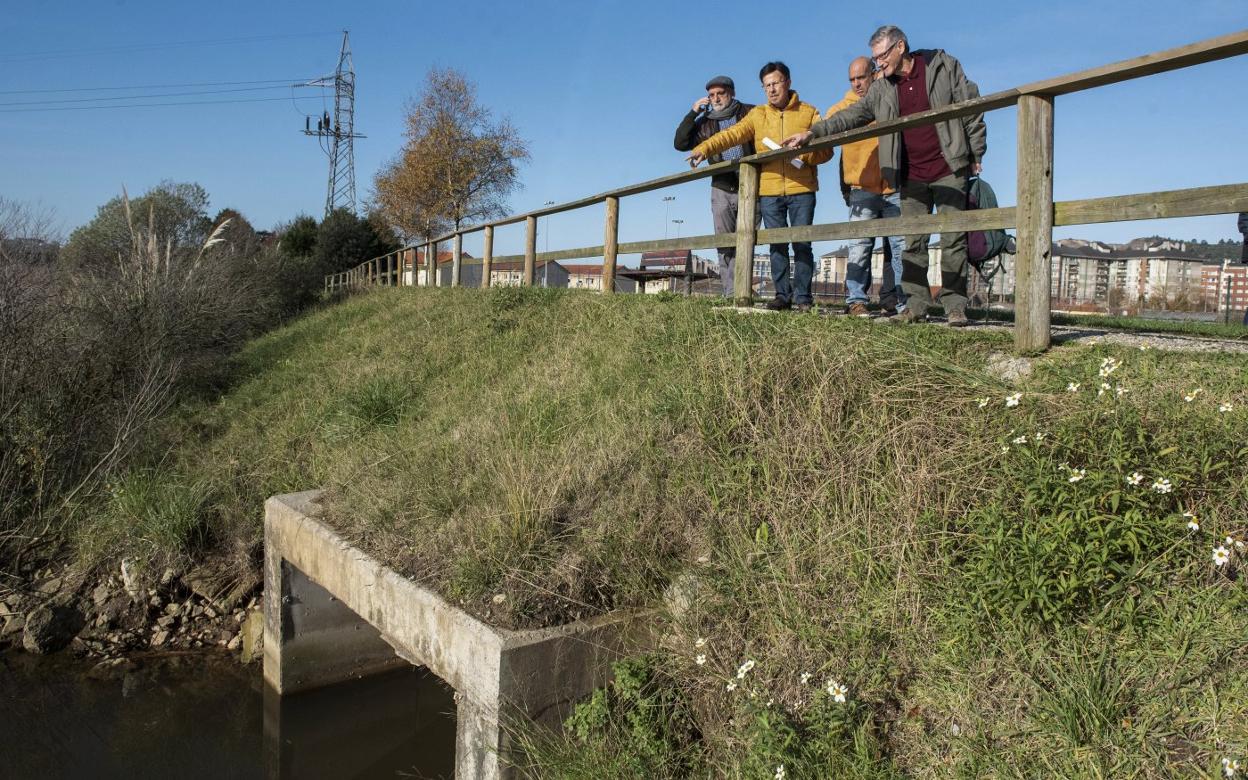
{"type": "Point", "coordinates": [1239, 545]}
{"type": "Point", "coordinates": [1229, 767]}
{"type": "Point", "coordinates": [1192, 395]}
{"type": "Point", "coordinates": [780, 772]}
{"type": "Point", "coordinates": [1072, 387]}
{"type": "Point", "coordinates": [1221, 555]}
{"type": "Point", "coordinates": [1162, 485]}
{"type": "Point", "coordinates": [1224, 408]}
{"type": "Point", "coordinates": [1144, 348]}
{"type": "Point", "coordinates": [1135, 478]}
{"type": "Point", "coordinates": [983, 402]}
{"type": "Point", "coordinates": [805, 678]}
{"type": "Point", "coordinates": [1005, 448]}
{"type": "Point", "coordinates": [1020, 439]}
{"type": "Point", "coordinates": [700, 660]}
{"type": "Point", "coordinates": [1193, 522]}
{"type": "Point", "coordinates": [1012, 400]}
{"type": "Point", "coordinates": [732, 685]}
{"type": "Point", "coordinates": [1108, 366]}
{"type": "Point", "coordinates": [1120, 390]}
{"type": "Point", "coordinates": [1039, 436]}
{"type": "Point", "coordinates": [701, 643]}
{"type": "Point", "coordinates": [744, 669]}
{"type": "Point", "coordinates": [1104, 387]}
{"type": "Point", "coordinates": [1076, 475]}
{"type": "Point", "coordinates": [837, 691]}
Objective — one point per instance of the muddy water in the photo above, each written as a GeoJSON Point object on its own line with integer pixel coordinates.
{"type": "Point", "coordinates": [191, 716]}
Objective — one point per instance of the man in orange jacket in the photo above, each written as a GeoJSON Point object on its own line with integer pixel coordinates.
{"type": "Point", "coordinates": [868, 197]}
{"type": "Point", "coordinates": [786, 188]}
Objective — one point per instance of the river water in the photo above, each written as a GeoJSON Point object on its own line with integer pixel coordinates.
{"type": "Point", "coordinates": [204, 715]}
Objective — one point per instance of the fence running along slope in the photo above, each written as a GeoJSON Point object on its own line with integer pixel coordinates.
{"type": "Point", "coordinates": [1033, 218]}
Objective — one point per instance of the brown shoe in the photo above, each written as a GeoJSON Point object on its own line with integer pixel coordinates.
{"type": "Point", "coordinates": [910, 316]}
{"type": "Point", "coordinates": [957, 319]}
{"type": "Point", "coordinates": [802, 308]}
{"type": "Point", "coordinates": [858, 310]}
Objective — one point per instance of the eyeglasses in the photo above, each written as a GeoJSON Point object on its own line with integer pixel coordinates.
{"type": "Point", "coordinates": [779, 83]}
{"type": "Point", "coordinates": [880, 57]}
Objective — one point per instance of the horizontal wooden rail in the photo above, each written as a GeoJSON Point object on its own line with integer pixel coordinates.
{"type": "Point", "coordinates": [1195, 202]}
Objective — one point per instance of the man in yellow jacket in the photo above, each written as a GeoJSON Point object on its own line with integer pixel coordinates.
{"type": "Point", "coordinates": [786, 188]}
{"type": "Point", "coordinates": [868, 197]}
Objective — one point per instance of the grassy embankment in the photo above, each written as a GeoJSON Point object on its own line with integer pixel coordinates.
{"type": "Point", "coordinates": [1004, 589]}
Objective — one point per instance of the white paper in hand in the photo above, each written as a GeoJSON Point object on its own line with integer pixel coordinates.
{"type": "Point", "coordinates": [773, 146]}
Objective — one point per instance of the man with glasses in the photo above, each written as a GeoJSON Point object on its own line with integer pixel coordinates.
{"type": "Point", "coordinates": [718, 110]}
{"type": "Point", "coordinates": [868, 197]}
{"type": "Point", "coordinates": [786, 188]}
{"type": "Point", "coordinates": [929, 165]}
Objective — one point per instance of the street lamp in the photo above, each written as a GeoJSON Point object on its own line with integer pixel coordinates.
{"type": "Point", "coordinates": [678, 223]}
{"type": "Point", "coordinates": [546, 264]}
{"type": "Point", "coordinates": [667, 208]}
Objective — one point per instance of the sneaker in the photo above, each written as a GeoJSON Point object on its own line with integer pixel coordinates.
{"type": "Point", "coordinates": [889, 311]}
{"type": "Point", "coordinates": [858, 310]}
{"type": "Point", "coordinates": [956, 319]}
{"type": "Point", "coordinates": [778, 304]}
{"type": "Point", "coordinates": [908, 316]}
{"type": "Point", "coordinates": [802, 308]}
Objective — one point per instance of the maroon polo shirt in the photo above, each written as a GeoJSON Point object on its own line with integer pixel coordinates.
{"type": "Point", "coordinates": [920, 150]}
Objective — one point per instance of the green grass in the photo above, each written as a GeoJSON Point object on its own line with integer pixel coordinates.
{"type": "Point", "coordinates": [831, 493]}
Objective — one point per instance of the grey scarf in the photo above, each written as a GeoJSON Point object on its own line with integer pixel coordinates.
{"type": "Point", "coordinates": [726, 112]}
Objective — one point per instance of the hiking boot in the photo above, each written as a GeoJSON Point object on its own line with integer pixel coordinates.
{"type": "Point", "coordinates": [909, 316]}
{"type": "Point", "coordinates": [858, 310]}
{"type": "Point", "coordinates": [802, 308]}
{"type": "Point", "coordinates": [778, 304]}
{"type": "Point", "coordinates": [889, 311]}
{"type": "Point", "coordinates": [956, 319]}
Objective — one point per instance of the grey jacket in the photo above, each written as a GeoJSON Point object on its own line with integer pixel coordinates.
{"type": "Point", "coordinates": [962, 141]}
{"type": "Point", "coordinates": [1243, 223]}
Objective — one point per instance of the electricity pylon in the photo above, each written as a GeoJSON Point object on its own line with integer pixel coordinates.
{"type": "Point", "coordinates": [337, 133]}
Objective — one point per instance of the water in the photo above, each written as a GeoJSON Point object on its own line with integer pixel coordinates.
{"type": "Point", "coordinates": [204, 715]}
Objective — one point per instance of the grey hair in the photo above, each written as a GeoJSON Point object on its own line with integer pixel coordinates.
{"type": "Point", "coordinates": [890, 32]}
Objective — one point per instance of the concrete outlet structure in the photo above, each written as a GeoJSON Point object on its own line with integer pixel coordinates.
{"type": "Point", "coordinates": [333, 613]}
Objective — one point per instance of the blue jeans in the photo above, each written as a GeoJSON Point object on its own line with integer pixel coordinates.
{"type": "Point", "coordinates": [790, 211]}
{"type": "Point", "coordinates": [864, 205]}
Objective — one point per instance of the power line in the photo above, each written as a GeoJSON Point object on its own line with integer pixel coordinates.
{"type": "Point", "coordinates": [152, 86]}
{"type": "Point", "coordinates": [144, 105]}
{"type": "Point", "coordinates": [143, 97]}
{"type": "Point", "coordinates": [50, 55]}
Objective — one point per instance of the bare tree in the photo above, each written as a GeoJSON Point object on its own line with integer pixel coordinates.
{"type": "Point", "coordinates": [458, 163]}
{"type": "Point", "coordinates": [28, 234]}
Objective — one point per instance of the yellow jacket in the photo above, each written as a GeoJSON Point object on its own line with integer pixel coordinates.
{"type": "Point", "coordinates": [776, 178]}
{"type": "Point", "coordinates": [860, 161]}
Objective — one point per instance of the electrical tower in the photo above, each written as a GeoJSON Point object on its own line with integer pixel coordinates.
{"type": "Point", "coordinates": [337, 133]}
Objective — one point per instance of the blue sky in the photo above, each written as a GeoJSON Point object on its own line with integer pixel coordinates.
{"type": "Point", "coordinates": [596, 88]}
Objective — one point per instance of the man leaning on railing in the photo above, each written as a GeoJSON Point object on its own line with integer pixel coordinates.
{"type": "Point", "coordinates": [1243, 229]}
{"type": "Point", "coordinates": [929, 165]}
{"type": "Point", "coordinates": [786, 188]}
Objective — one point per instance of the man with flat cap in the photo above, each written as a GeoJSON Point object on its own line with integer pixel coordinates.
{"type": "Point", "coordinates": [718, 110]}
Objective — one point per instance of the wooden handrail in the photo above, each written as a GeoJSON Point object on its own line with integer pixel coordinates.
{"type": "Point", "coordinates": [1034, 216]}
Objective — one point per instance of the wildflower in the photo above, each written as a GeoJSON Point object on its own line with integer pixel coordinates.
{"type": "Point", "coordinates": [1120, 390]}
{"type": "Point", "coordinates": [1192, 395]}
{"type": "Point", "coordinates": [1076, 475]}
{"type": "Point", "coordinates": [1161, 485]}
{"type": "Point", "coordinates": [837, 691]}
{"type": "Point", "coordinates": [1239, 545]}
{"type": "Point", "coordinates": [1224, 408]}
{"type": "Point", "coordinates": [701, 643]}
{"type": "Point", "coordinates": [1102, 390]}
{"type": "Point", "coordinates": [780, 772]}
{"type": "Point", "coordinates": [732, 685]}
{"type": "Point", "coordinates": [1193, 522]}
{"type": "Point", "coordinates": [1072, 387]}
{"type": "Point", "coordinates": [1220, 556]}
{"type": "Point", "coordinates": [1108, 366]}
{"type": "Point", "coordinates": [1144, 347]}
{"type": "Point", "coordinates": [1039, 436]}
{"type": "Point", "coordinates": [1135, 479]}
{"type": "Point", "coordinates": [1012, 400]}
{"type": "Point", "coordinates": [744, 669]}
{"type": "Point", "coordinates": [983, 402]}
{"type": "Point", "coordinates": [1229, 767]}
{"type": "Point", "coordinates": [805, 678]}
{"type": "Point", "coordinates": [700, 660]}
{"type": "Point", "coordinates": [1005, 448]}
{"type": "Point", "coordinates": [1020, 439]}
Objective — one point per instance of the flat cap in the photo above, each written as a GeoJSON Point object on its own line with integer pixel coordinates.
{"type": "Point", "coordinates": [721, 81]}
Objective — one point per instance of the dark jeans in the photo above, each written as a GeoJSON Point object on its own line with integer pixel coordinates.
{"type": "Point", "coordinates": [790, 211]}
{"type": "Point", "coordinates": [919, 198]}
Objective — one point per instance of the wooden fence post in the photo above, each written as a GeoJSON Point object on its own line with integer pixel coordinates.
{"type": "Point", "coordinates": [610, 244]}
{"type": "Point", "coordinates": [1032, 272]}
{"type": "Point", "coordinates": [530, 251]}
{"type": "Point", "coordinates": [431, 264]}
{"type": "Point", "coordinates": [747, 210]}
{"type": "Point", "coordinates": [457, 256]}
{"type": "Point", "coordinates": [487, 257]}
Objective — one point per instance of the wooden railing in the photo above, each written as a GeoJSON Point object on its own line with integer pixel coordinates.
{"type": "Point", "coordinates": [1034, 216]}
